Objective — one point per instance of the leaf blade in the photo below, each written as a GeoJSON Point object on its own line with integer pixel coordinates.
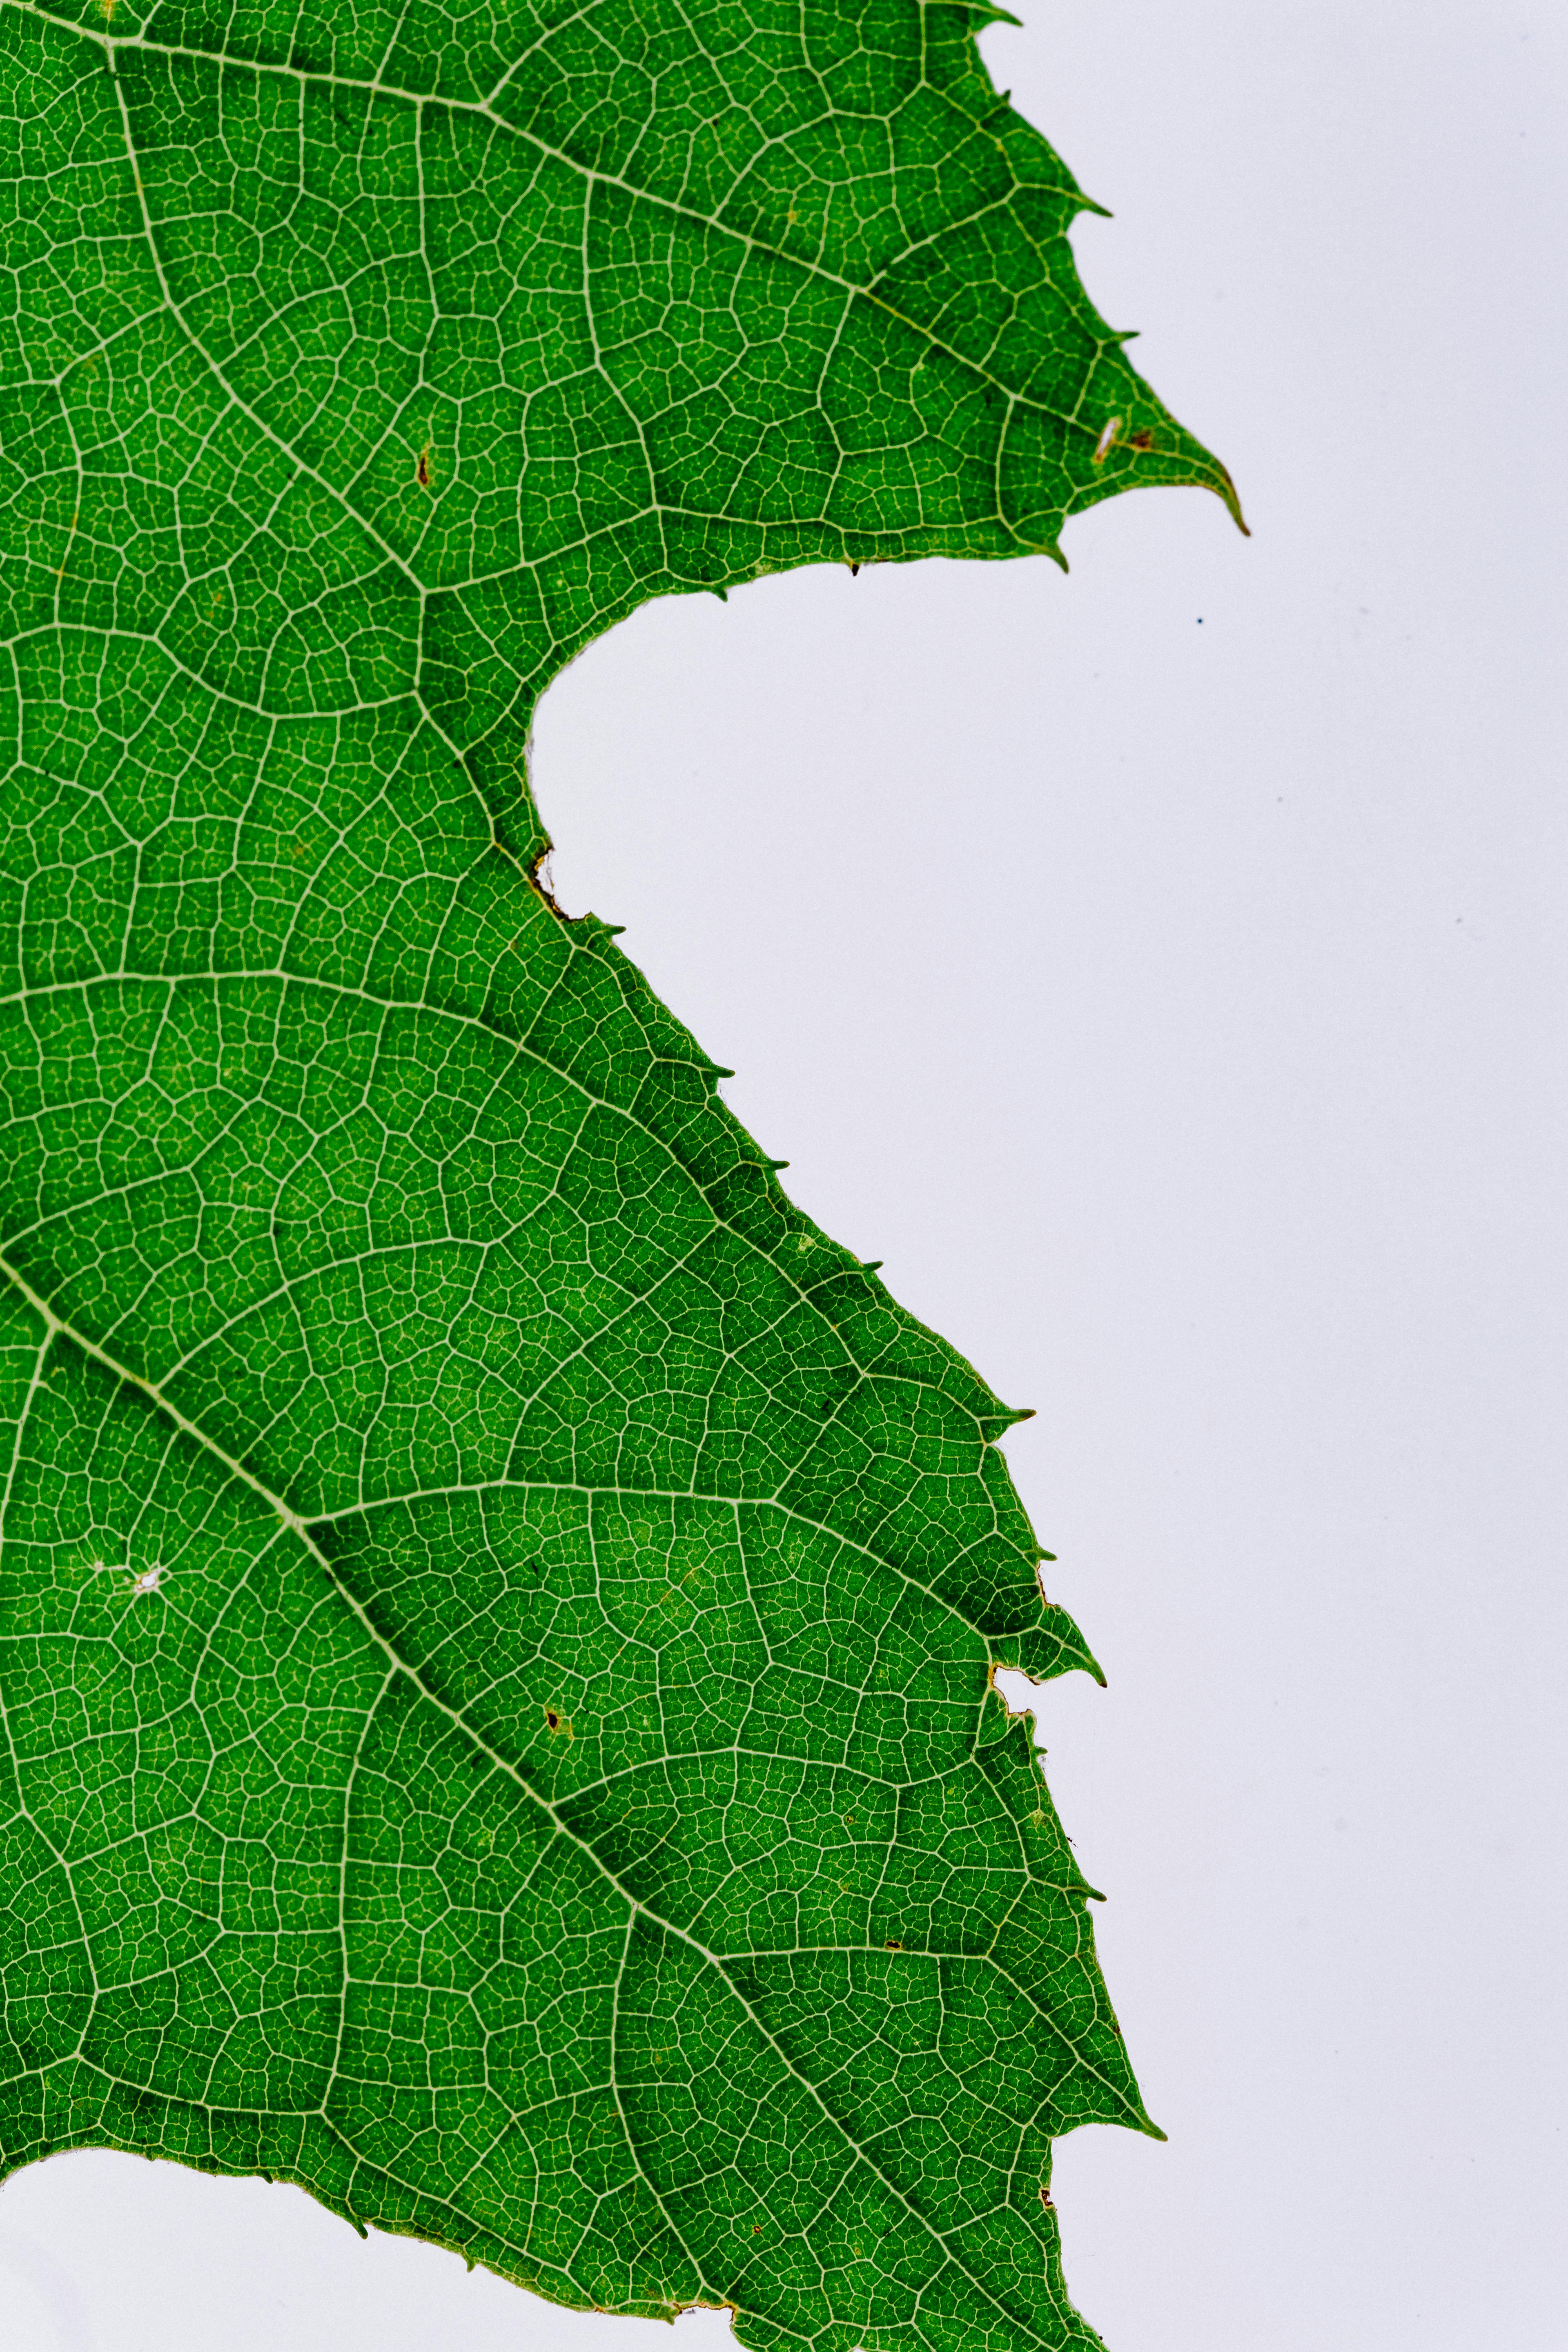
{"type": "Point", "coordinates": [461, 1514]}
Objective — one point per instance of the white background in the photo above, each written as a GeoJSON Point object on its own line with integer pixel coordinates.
{"type": "Point", "coordinates": [1163, 969]}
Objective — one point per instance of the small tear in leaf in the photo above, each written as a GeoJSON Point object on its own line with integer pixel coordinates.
{"type": "Point", "coordinates": [1103, 447]}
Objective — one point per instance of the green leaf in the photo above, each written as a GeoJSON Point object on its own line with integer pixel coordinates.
{"type": "Point", "coordinates": [498, 1610]}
